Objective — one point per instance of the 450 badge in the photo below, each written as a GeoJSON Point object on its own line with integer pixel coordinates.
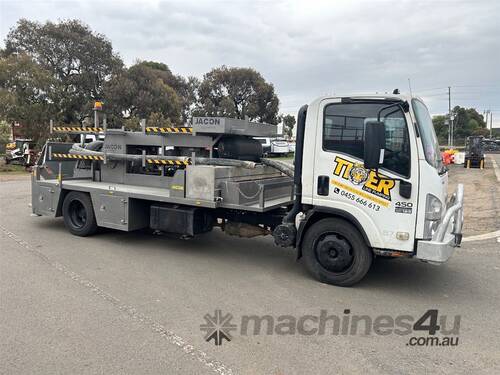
{"type": "Point", "coordinates": [374, 185]}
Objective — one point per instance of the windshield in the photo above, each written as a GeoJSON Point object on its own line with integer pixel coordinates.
{"type": "Point", "coordinates": [428, 135]}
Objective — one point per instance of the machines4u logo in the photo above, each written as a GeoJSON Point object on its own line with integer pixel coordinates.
{"type": "Point", "coordinates": [430, 329]}
{"type": "Point", "coordinates": [371, 182]}
{"type": "Point", "coordinates": [218, 327]}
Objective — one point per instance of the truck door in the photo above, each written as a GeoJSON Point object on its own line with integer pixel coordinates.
{"type": "Point", "coordinates": [385, 210]}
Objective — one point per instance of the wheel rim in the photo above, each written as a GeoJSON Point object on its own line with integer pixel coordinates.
{"type": "Point", "coordinates": [334, 252]}
{"type": "Point", "coordinates": [78, 214]}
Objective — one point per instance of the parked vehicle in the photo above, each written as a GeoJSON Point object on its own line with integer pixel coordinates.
{"type": "Point", "coordinates": [266, 145]}
{"type": "Point", "coordinates": [347, 200]}
{"type": "Point", "coordinates": [273, 146]}
{"type": "Point", "coordinates": [21, 152]}
{"type": "Point", "coordinates": [491, 145]}
{"type": "Point", "coordinates": [279, 146]}
{"type": "Point", "coordinates": [89, 138]}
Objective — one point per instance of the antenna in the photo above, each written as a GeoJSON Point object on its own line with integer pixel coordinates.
{"type": "Point", "coordinates": [409, 86]}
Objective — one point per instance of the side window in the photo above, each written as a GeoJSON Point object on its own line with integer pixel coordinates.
{"type": "Point", "coordinates": [343, 132]}
{"type": "Point", "coordinates": [397, 146]}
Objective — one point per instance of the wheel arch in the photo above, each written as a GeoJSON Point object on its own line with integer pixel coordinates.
{"type": "Point", "coordinates": [62, 197]}
{"type": "Point", "coordinates": [318, 213]}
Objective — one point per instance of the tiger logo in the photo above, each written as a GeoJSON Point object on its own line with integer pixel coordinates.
{"type": "Point", "coordinates": [358, 175]}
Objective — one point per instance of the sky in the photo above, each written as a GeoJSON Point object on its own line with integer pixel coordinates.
{"type": "Point", "coordinates": [309, 48]}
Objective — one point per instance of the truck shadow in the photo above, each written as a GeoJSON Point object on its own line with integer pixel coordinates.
{"type": "Point", "coordinates": [257, 255]}
{"type": "Point", "coordinates": [260, 255]}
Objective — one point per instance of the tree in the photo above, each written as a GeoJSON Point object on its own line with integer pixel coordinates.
{"type": "Point", "coordinates": [4, 135]}
{"type": "Point", "coordinates": [466, 122]}
{"type": "Point", "coordinates": [481, 131]}
{"type": "Point", "coordinates": [79, 60]}
{"type": "Point", "coordinates": [288, 125]}
{"type": "Point", "coordinates": [143, 90]}
{"type": "Point", "coordinates": [25, 95]}
{"type": "Point", "coordinates": [185, 88]}
{"type": "Point", "coordinates": [237, 92]}
{"type": "Point", "coordinates": [441, 127]}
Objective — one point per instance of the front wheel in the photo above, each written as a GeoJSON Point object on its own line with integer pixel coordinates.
{"type": "Point", "coordinates": [335, 252]}
{"type": "Point", "coordinates": [78, 214]}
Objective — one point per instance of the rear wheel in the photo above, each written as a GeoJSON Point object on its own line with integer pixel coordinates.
{"type": "Point", "coordinates": [335, 252]}
{"type": "Point", "coordinates": [78, 214]}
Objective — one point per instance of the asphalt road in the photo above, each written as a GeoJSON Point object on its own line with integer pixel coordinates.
{"type": "Point", "coordinates": [133, 303]}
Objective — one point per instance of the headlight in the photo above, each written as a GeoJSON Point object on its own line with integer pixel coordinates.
{"type": "Point", "coordinates": [433, 213]}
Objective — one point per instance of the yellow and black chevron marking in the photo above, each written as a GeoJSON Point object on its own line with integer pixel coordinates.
{"type": "Point", "coordinates": [168, 162]}
{"type": "Point", "coordinates": [65, 129]}
{"type": "Point", "coordinates": [168, 130]}
{"type": "Point", "coordinates": [56, 155]}
{"type": "Point", "coordinates": [73, 156]}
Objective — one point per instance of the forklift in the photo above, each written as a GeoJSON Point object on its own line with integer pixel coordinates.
{"type": "Point", "coordinates": [21, 151]}
{"type": "Point", "coordinates": [474, 153]}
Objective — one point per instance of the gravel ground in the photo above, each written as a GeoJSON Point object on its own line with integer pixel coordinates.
{"type": "Point", "coordinates": [482, 196]}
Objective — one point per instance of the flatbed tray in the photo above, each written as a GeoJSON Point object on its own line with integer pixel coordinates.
{"type": "Point", "coordinates": [160, 195]}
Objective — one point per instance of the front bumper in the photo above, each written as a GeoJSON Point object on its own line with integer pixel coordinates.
{"type": "Point", "coordinates": [448, 235]}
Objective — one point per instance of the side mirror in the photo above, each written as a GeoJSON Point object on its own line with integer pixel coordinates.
{"type": "Point", "coordinates": [374, 144]}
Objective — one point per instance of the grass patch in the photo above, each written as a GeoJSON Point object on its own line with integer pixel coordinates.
{"type": "Point", "coordinates": [287, 157]}
{"type": "Point", "coordinates": [12, 168]}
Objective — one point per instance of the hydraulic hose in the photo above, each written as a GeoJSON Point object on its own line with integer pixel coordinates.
{"type": "Point", "coordinates": [78, 150]}
{"type": "Point", "coordinates": [280, 166]}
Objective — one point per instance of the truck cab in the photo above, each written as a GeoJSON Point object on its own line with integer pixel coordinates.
{"type": "Point", "coordinates": [372, 183]}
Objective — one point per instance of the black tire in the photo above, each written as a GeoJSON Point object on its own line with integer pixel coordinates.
{"type": "Point", "coordinates": [335, 252]}
{"type": "Point", "coordinates": [78, 214]}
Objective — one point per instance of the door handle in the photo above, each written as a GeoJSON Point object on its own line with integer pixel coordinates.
{"type": "Point", "coordinates": [323, 185]}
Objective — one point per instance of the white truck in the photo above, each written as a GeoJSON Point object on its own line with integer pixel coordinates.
{"type": "Point", "coordinates": [368, 181]}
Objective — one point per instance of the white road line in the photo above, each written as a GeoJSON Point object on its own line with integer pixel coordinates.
{"type": "Point", "coordinates": [495, 167]}
{"type": "Point", "coordinates": [132, 312]}
{"type": "Point", "coordinates": [479, 237]}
